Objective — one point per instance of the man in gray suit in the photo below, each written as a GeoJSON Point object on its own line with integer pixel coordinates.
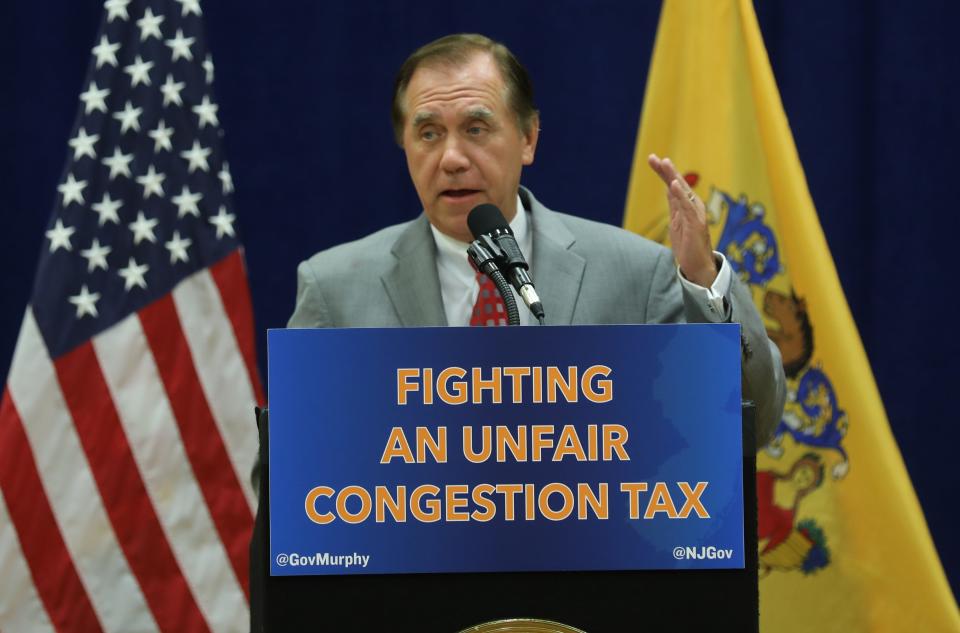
{"type": "Point", "coordinates": [463, 113]}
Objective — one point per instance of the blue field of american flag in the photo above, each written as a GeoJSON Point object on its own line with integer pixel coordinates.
{"type": "Point", "coordinates": [126, 426]}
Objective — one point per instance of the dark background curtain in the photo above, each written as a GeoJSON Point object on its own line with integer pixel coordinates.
{"type": "Point", "coordinates": [870, 89]}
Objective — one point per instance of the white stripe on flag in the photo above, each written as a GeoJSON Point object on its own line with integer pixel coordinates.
{"type": "Point", "coordinates": [20, 608]}
{"type": "Point", "coordinates": [71, 489]}
{"type": "Point", "coordinates": [154, 438]}
{"type": "Point", "coordinates": [222, 371]}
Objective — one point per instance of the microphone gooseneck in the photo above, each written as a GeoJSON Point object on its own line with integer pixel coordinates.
{"type": "Point", "coordinates": [509, 303]}
{"type": "Point", "coordinates": [492, 233]}
{"type": "Point", "coordinates": [483, 255]}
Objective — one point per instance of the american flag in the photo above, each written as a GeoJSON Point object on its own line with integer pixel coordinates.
{"type": "Point", "coordinates": [126, 425]}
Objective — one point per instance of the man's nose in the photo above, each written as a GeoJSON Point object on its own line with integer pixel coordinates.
{"type": "Point", "coordinates": [454, 159]}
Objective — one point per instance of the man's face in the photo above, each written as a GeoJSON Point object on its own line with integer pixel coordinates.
{"type": "Point", "coordinates": [462, 142]}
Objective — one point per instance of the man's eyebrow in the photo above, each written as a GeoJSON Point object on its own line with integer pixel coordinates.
{"type": "Point", "coordinates": [480, 112]}
{"type": "Point", "coordinates": [476, 112]}
{"type": "Point", "coordinates": [422, 117]}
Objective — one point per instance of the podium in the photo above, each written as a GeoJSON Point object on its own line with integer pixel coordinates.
{"type": "Point", "coordinates": [593, 601]}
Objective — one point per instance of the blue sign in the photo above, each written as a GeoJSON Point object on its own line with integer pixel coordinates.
{"type": "Point", "coordinates": [424, 450]}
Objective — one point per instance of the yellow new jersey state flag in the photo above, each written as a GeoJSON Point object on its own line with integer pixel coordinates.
{"type": "Point", "coordinates": [843, 543]}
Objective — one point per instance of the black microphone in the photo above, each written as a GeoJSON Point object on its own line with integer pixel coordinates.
{"type": "Point", "coordinates": [488, 226]}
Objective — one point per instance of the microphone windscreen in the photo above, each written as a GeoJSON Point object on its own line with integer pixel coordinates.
{"type": "Point", "coordinates": [486, 218]}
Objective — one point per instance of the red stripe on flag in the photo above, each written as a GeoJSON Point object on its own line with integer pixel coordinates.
{"type": "Point", "coordinates": [231, 280]}
{"type": "Point", "coordinates": [201, 438]}
{"type": "Point", "coordinates": [54, 574]}
{"type": "Point", "coordinates": [125, 497]}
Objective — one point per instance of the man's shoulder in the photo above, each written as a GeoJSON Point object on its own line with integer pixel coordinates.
{"type": "Point", "coordinates": [595, 230]}
{"type": "Point", "coordinates": [593, 237]}
{"type": "Point", "coordinates": [367, 253]}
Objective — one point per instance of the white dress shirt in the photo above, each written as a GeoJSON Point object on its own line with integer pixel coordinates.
{"type": "Point", "coordinates": [459, 286]}
{"type": "Point", "coordinates": [458, 279]}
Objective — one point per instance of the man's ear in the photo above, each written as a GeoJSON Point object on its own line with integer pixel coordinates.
{"type": "Point", "coordinates": [530, 140]}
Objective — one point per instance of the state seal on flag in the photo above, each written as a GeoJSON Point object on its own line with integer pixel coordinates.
{"type": "Point", "coordinates": [809, 438]}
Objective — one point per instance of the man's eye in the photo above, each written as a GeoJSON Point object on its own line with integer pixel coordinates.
{"type": "Point", "coordinates": [475, 130]}
{"type": "Point", "coordinates": [428, 135]}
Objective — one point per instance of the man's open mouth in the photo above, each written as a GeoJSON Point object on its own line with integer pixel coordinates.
{"type": "Point", "coordinates": [458, 193]}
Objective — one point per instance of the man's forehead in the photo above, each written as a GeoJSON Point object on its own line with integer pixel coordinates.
{"type": "Point", "coordinates": [478, 76]}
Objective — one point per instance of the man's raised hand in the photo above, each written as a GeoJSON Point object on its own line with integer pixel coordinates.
{"type": "Point", "coordinates": [689, 233]}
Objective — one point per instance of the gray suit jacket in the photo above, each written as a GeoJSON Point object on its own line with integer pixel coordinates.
{"type": "Point", "coordinates": [585, 272]}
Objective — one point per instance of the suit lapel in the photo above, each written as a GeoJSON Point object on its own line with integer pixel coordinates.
{"type": "Point", "coordinates": [556, 270]}
{"type": "Point", "coordinates": [412, 284]}
{"type": "Point", "coordinates": [414, 289]}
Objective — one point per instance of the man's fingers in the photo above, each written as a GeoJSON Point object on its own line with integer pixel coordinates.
{"type": "Point", "coordinates": [674, 205]}
{"type": "Point", "coordinates": [656, 163]}
{"type": "Point", "coordinates": [688, 228]}
{"type": "Point", "coordinates": [681, 198]}
{"type": "Point", "coordinates": [683, 194]}
{"type": "Point", "coordinates": [671, 170]}
{"type": "Point", "coordinates": [667, 171]}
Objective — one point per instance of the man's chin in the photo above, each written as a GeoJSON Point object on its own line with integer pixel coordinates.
{"type": "Point", "coordinates": [454, 227]}
{"type": "Point", "coordinates": [450, 217]}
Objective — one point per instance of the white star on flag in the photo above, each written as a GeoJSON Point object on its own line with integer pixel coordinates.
{"type": "Point", "coordinates": [107, 209]}
{"type": "Point", "coordinates": [82, 144]}
{"type": "Point", "coordinates": [106, 52]}
{"type": "Point", "coordinates": [161, 137]}
{"type": "Point", "coordinates": [96, 255]}
{"type": "Point", "coordinates": [143, 228]}
{"type": "Point", "coordinates": [133, 275]}
{"type": "Point", "coordinates": [129, 118]}
{"type": "Point", "coordinates": [59, 236]}
{"type": "Point", "coordinates": [94, 98]}
{"type": "Point", "coordinates": [171, 91]}
{"type": "Point", "coordinates": [226, 179]}
{"type": "Point", "coordinates": [150, 25]}
{"type": "Point", "coordinates": [139, 72]}
{"type": "Point", "coordinates": [152, 182]}
{"type": "Point", "coordinates": [180, 46]}
{"type": "Point", "coordinates": [223, 221]}
{"type": "Point", "coordinates": [190, 6]}
{"type": "Point", "coordinates": [187, 203]}
{"type": "Point", "coordinates": [116, 9]}
{"type": "Point", "coordinates": [197, 157]}
{"type": "Point", "coordinates": [178, 248]}
{"type": "Point", "coordinates": [206, 112]}
{"type": "Point", "coordinates": [72, 190]}
{"type": "Point", "coordinates": [208, 68]}
{"type": "Point", "coordinates": [119, 163]}
{"type": "Point", "coordinates": [86, 302]}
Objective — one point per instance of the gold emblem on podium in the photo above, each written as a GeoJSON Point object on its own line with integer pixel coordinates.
{"type": "Point", "coordinates": [521, 625]}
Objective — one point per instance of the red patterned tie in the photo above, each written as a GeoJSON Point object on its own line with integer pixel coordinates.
{"type": "Point", "coordinates": [489, 308]}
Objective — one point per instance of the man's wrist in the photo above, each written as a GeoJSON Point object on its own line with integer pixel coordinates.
{"type": "Point", "coordinates": [716, 306]}
{"type": "Point", "coordinates": [705, 276]}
